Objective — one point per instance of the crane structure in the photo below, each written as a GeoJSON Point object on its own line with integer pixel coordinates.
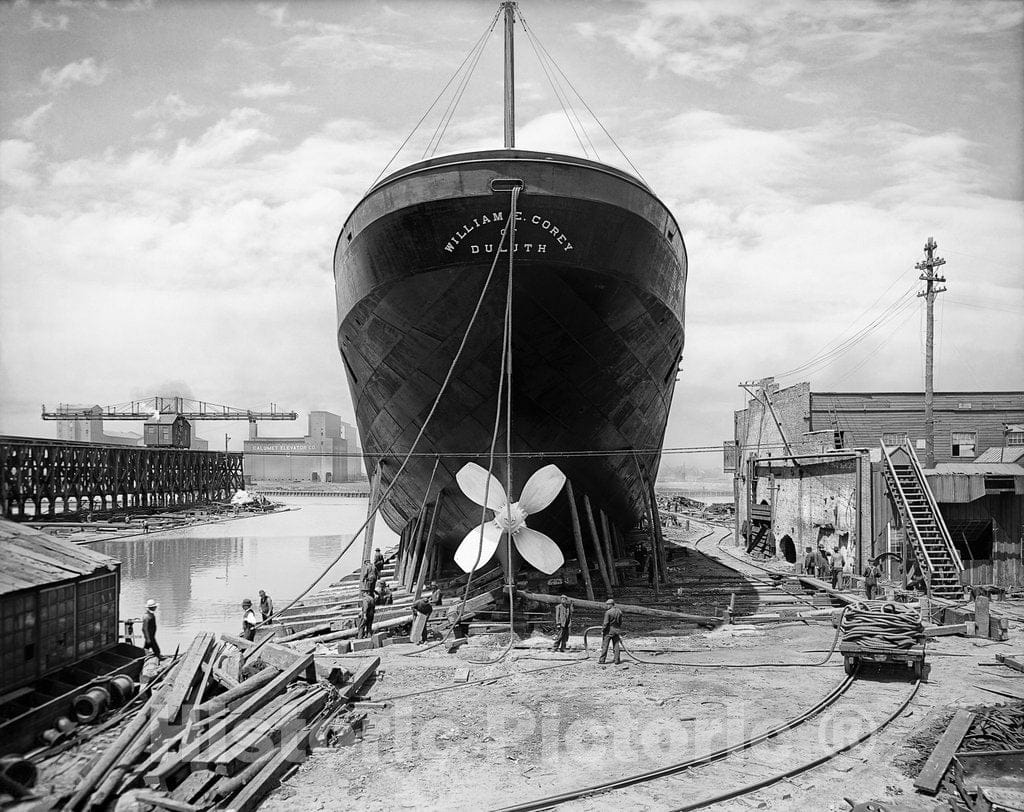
{"type": "Point", "coordinates": [149, 408]}
{"type": "Point", "coordinates": [167, 419]}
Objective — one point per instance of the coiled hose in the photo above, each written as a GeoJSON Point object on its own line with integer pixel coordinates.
{"type": "Point", "coordinates": [881, 624]}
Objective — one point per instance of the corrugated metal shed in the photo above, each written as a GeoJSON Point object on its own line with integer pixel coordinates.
{"type": "Point", "coordinates": [1001, 454]}
{"type": "Point", "coordinates": [977, 468]}
{"type": "Point", "coordinates": [959, 482]}
{"type": "Point", "coordinates": [32, 558]}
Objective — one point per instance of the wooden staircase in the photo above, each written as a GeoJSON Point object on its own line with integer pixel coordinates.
{"type": "Point", "coordinates": [923, 523]}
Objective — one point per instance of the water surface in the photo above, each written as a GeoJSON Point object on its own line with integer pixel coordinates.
{"type": "Point", "coordinates": [199, 575]}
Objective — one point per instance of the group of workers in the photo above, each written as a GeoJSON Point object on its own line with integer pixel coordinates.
{"type": "Point", "coordinates": [250, 621]}
{"type": "Point", "coordinates": [837, 567]}
{"type": "Point", "coordinates": [611, 629]}
{"type": "Point", "coordinates": [374, 591]}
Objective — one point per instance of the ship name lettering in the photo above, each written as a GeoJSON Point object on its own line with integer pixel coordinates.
{"type": "Point", "coordinates": [526, 247]}
{"type": "Point", "coordinates": [539, 220]}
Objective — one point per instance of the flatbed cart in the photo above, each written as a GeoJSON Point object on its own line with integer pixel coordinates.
{"type": "Point", "coordinates": [854, 654]}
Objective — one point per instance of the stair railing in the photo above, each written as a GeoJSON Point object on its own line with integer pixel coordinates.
{"type": "Point", "coordinates": [939, 521]}
{"type": "Point", "coordinates": [894, 479]}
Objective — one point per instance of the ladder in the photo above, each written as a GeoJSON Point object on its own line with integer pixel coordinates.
{"type": "Point", "coordinates": [923, 523]}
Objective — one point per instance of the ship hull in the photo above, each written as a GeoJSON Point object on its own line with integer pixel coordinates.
{"type": "Point", "coordinates": [598, 285]}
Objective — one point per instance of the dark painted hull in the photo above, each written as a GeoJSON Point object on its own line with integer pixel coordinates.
{"type": "Point", "coordinates": [598, 294]}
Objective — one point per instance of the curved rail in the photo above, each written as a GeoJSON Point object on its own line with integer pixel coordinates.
{"type": "Point", "coordinates": [697, 761]}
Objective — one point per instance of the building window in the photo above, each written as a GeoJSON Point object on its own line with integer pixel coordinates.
{"type": "Point", "coordinates": [963, 443]}
{"type": "Point", "coordinates": [1015, 438]}
{"type": "Point", "coordinates": [893, 439]}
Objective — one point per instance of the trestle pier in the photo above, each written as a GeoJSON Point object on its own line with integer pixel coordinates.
{"type": "Point", "coordinates": [45, 478]}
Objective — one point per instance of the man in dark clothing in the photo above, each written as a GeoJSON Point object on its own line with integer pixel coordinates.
{"type": "Point", "coordinates": [871, 577]}
{"type": "Point", "coordinates": [368, 608]}
{"type": "Point", "coordinates": [422, 607]}
{"type": "Point", "coordinates": [563, 617]}
{"type": "Point", "coordinates": [266, 606]}
{"type": "Point", "coordinates": [384, 596]}
{"type": "Point", "coordinates": [368, 577]}
{"type": "Point", "coordinates": [809, 560]}
{"type": "Point", "coordinates": [378, 561]}
{"type": "Point", "coordinates": [821, 565]}
{"type": "Point", "coordinates": [436, 598]}
{"type": "Point", "coordinates": [149, 628]}
{"type": "Point", "coordinates": [611, 629]}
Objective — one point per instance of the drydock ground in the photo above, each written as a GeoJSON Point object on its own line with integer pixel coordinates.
{"type": "Point", "coordinates": [539, 724]}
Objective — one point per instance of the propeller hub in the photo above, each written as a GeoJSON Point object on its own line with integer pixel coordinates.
{"type": "Point", "coordinates": [510, 518]}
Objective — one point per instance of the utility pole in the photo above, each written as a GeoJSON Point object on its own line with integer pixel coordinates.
{"type": "Point", "coordinates": [930, 278]}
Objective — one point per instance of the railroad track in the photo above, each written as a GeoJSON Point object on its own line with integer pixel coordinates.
{"type": "Point", "coordinates": [835, 724]}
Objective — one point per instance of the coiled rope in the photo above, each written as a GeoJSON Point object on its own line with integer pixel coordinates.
{"type": "Point", "coordinates": [882, 624]}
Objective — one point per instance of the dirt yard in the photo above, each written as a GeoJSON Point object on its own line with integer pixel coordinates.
{"type": "Point", "coordinates": [538, 723]}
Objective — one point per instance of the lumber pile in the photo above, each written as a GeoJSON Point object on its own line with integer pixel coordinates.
{"type": "Point", "coordinates": [194, 744]}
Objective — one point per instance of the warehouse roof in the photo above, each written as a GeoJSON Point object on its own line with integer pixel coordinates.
{"type": "Point", "coordinates": [1001, 454]}
{"type": "Point", "coordinates": [33, 558]}
{"type": "Point", "coordinates": [976, 469]}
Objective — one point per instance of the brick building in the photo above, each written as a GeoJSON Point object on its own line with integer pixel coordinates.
{"type": "Point", "coordinates": [807, 471]}
{"type": "Point", "coordinates": [328, 453]}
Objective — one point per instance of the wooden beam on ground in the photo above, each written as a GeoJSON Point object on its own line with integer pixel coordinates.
{"type": "Point", "coordinates": [589, 510]}
{"type": "Point", "coordinates": [188, 674]}
{"type": "Point", "coordinates": [239, 692]}
{"type": "Point", "coordinates": [704, 620]}
{"type": "Point", "coordinates": [577, 533]}
{"type": "Point", "coordinates": [292, 752]}
{"type": "Point", "coordinates": [935, 767]}
{"type": "Point", "coordinates": [1014, 661]}
{"type": "Point", "coordinates": [821, 586]}
{"type": "Point", "coordinates": [359, 678]}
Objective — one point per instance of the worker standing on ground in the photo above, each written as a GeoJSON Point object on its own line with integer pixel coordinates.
{"type": "Point", "coordinates": [266, 606]}
{"type": "Point", "coordinates": [421, 607]}
{"type": "Point", "coordinates": [249, 620]}
{"type": "Point", "coordinates": [367, 609]}
{"type": "Point", "coordinates": [563, 618]}
{"type": "Point", "coordinates": [611, 630]}
{"type": "Point", "coordinates": [149, 628]}
{"type": "Point", "coordinates": [436, 598]}
{"type": "Point", "coordinates": [837, 567]}
{"type": "Point", "coordinates": [809, 561]}
{"type": "Point", "coordinates": [378, 561]}
{"type": "Point", "coordinates": [871, 577]}
{"type": "Point", "coordinates": [821, 565]}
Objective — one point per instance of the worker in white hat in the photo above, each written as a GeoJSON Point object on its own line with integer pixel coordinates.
{"type": "Point", "coordinates": [149, 628]}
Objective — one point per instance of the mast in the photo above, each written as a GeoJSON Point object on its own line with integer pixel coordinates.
{"type": "Point", "coordinates": [509, 7]}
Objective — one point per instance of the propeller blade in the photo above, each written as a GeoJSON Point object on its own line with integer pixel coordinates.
{"type": "Point", "coordinates": [473, 481]}
{"type": "Point", "coordinates": [539, 550]}
{"type": "Point", "coordinates": [541, 489]}
{"type": "Point", "coordinates": [467, 555]}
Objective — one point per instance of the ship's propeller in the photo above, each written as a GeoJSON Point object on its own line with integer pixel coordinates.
{"type": "Point", "coordinates": [480, 543]}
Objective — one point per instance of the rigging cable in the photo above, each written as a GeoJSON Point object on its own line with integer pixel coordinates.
{"type": "Point", "coordinates": [446, 117]}
{"type": "Point", "coordinates": [437, 98]}
{"type": "Point", "coordinates": [582, 100]}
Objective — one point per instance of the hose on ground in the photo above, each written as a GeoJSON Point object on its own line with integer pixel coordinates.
{"type": "Point", "coordinates": [881, 624]}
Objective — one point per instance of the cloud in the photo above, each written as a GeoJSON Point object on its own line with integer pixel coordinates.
{"type": "Point", "coordinates": [171, 107]}
{"type": "Point", "coordinates": [26, 126]}
{"type": "Point", "coordinates": [266, 90]}
{"type": "Point", "coordinates": [18, 160]}
{"type": "Point", "coordinates": [85, 72]}
{"type": "Point", "coordinates": [49, 22]}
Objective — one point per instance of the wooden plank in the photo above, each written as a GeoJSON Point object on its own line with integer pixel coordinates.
{"type": "Point", "coordinates": [189, 673]}
{"type": "Point", "coordinates": [577, 534]}
{"type": "Point", "coordinates": [251, 704]}
{"type": "Point", "coordinates": [598, 552]}
{"type": "Point", "coordinates": [1012, 661]}
{"type": "Point", "coordinates": [241, 690]}
{"type": "Point", "coordinates": [293, 752]}
{"type": "Point", "coordinates": [981, 615]}
{"type": "Point", "coordinates": [935, 767]}
{"type": "Point", "coordinates": [704, 620]}
{"type": "Point", "coordinates": [362, 674]}
{"type": "Point", "coordinates": [942, 631]}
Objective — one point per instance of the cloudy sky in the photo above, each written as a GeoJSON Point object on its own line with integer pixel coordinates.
{"type": "Point", "coordinates": [174, 176]}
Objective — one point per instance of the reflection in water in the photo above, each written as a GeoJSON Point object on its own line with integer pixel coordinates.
{"type": "Point", "coordinates": [199, 575]}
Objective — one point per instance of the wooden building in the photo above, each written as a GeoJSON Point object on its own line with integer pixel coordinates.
{"type": "Point", "coordinates": [58, 605]}
{"type": "Point", "coordinates": [168, 431]}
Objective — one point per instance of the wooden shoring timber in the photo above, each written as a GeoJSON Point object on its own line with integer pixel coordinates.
{"type": "Point", "coordinates": [371, 515]}
{"type": "Point", "coordinates": [588, 509]}
{"type": "Point", "coordinates": [345, 634]}
{"type": "Point", "coordinates": [252, 704]}
{"type": "Point", "coordinates": [659, 537]}
{"type": "Point", "coordinates": [359, 678]}
{"type": "Point", "coordinates": [235, 758]}
{"type": "Point", "coordinates": [189, 673]}
{"type": "Point", "coordinates": [227, 788]}
{"type": "Point", "coordinates": [938, 762]}
{"type": "Point", "coordinates": [609, 548]}
{"type": "Point", "coordinates": [292, 752]}
{"type": "Point", "coordinates": [417, 550]}
{"type": "Point", "coordinates": [577, 533]}
{"type": "Point", "coordinates": [428, 546]}
{"type": "Point", "coordinates": [238, 693]}
{"type": "Point", "coordinates": [473, 605]}
{"type": "Point", "coordinates": [704, 620]}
